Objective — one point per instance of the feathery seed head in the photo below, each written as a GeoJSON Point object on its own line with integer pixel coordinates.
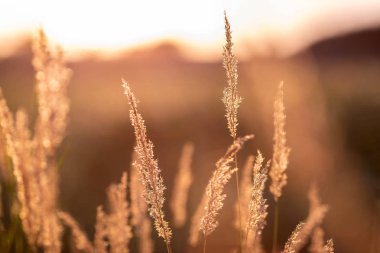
{"type": "Point", "coordinates": [119, 230]}
{"type": "Point", "coordinates": [291, 244]}
{"type": "Point", "coordinates": [215, 187]}
{"type": "Point", "coordinates": [196, 221]}
{"type": "Point", "coordinates": [32, 155]}
{"type": "Point", "coordinates": [280, 150]}
{"type": "Point", "coordinates": [182, 184]}
{"type": "Point", "coordinates": [81, 240]}
{"type": "Point", "coordinates": [317, 212]}
{"type": "Point", "coordinates": [139, 208]}
{"type": "Point", "coordinates": [148, 169]}
{"type": "Point", "coordinates": [231, 98]}
{"type": "Point", "coordinates": [329, 247]}
{"type": "Point", "coordinates": [100, 231]}
{"type": "Point", "coordinates": [257, 205]}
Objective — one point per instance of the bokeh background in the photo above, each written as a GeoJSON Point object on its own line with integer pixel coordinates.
{"type": "Point", "coordinates": [327, 54]}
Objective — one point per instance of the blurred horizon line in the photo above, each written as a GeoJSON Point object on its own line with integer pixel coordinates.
{"type": "Point", "coordinates": [277, 28]}
{"type": "Point", "coordinates": [20, 43]}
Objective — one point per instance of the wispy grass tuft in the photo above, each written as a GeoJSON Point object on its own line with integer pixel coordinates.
{"type": "Point", "coordinates": [294, 240]}
{"type": "Point", "coordinates": [33, 155]}
{"type": "Point", "coordinates": [214, 189]}
{"type": "Point", "coordinates": [139, 209]}
{"type": "Point", "coordinates": [182, 184]}
{"type": "Point", "coordinates": [150, 174]}
{"type": "Point", "coordinates": [231, 97]}
{"type": "Point", "coordinates": [280, 150]}
{"type": "Point", "coordinates": [257, 205]}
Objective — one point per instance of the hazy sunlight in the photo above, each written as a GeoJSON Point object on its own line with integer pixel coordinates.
{"type": "Point", "coordinates": [270, 25]}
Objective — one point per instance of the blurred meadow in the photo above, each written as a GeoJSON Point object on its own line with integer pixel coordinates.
{"type": "Point", "coordinates": [332, 101]}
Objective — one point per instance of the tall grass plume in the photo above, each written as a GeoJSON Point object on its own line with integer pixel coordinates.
{"type": "Point", "coordinates": [150, 174]}
{"type": "Point", "coordinates": [139, 209]}
{"type": "Point", "coordinates": [182, 183]}
{"type": "Point", "coordinates": [215, 187]}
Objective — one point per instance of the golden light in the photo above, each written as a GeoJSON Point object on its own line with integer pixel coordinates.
{"type": "Point", "coordinates": [115, 24]}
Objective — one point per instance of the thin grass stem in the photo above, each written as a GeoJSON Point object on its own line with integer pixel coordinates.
{"type": "Point", "coordinates": [239, 206]}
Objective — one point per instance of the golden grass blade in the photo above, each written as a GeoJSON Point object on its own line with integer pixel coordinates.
{"type": "Point", "coordinates": [33, 157]}
{"type": "Point", "coordinates": [231, 98]}
{"type": "Point", "coordinates": [293, 241]}
{"type": "Point", "coordinates": [139, 209]}
{"type": "Point", "coordinates": [196, 222]}
{"type": "Point", "coordinates": [100, 231]}
{"type": "Point", "coordinates": [150, 174]}
{"type": "Point", "coordinates": [214, 189]}
{"type": "Point", "coordinates": [118, 228]}
{"type": "Point", "coordinates": [317, 212]}
{"type": "Point", "coordinates": [182, 183]}
{"type": "Point", "coordinates": [329, 247]}
{"type": "Point", "coordinates": [257, 204]}
{"type": "Point", "coordinates": [280, 150]}
{"type": "Point", "coordinates": [51, 85]}
{"type": "Point", "coordinates": [17, 144]}
{"type": "Point", "coordinates": [81, 241]}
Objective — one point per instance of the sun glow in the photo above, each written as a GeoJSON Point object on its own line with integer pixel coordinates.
{"type": "Point", "coordinates": [115, 24]}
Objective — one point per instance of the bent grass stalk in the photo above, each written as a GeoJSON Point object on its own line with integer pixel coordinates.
{"type": "Point", "coordinates": [280, 157]}
{"type": "Point", "coordinates": [232, 101]}
{"type": "Point", "coordinates": [215, 187]}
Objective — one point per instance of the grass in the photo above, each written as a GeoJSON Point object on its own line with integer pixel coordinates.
{"type": "Point", "coordinates": [34, 173]}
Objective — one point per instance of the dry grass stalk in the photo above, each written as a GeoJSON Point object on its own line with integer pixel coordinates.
{"type": "Point", "coordinates": [13, 144]}
{"type": "Point", "coordinates": [113, 229]}
{"type": "Point", "coordinates": [280, 150]}
{"type": "Point", "coordinates": [317, 212]}
{"type": "Point", "coordinates": [53, 105]}
{"type": "Point", "coordinates": [182, 184]}
{"type": "Point", "coordinates": [196, 222]}
{"type": "Point", "coordinates": [138, 205]}
{"type": "Point", "coordinates": [139, 210]}
{"type": "Point", "coordinates": [245, 187]}
{"type": "Point", "coordinates": [231, 98]}
{"type": "Point", "coordinates": [81, 241]}
{"type": "Point", "coordinates": [17, 144]}
{"type": "Point", "coordinates": [317, 241]}
{"type": "Point", "coordinates": [329, 247]}
{"type": "Point", "coordinates": [150, 174]}
{"type": "Point", "coordinates": [257, 204]}
{"type": "Point", "coordinates": [33, 156]}
{"type": "Point", "coordinates": [100, 244]}
{"type": "Point", "coordinates": [214, 189]}
{"type": "Point", "coordinates": [118, 229]}
{"type": "Point", "coordinates": [294, 240]}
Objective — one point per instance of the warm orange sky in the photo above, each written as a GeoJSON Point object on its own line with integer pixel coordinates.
{"type": "Point", "coordinates": [284, 26]}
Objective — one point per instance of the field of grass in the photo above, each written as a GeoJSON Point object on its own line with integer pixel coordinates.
{"type": "Point", "coordinates": [180, 101]}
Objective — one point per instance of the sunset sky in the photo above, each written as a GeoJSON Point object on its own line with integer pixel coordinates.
{"type": "Point", "coordinates": [283, 26]}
